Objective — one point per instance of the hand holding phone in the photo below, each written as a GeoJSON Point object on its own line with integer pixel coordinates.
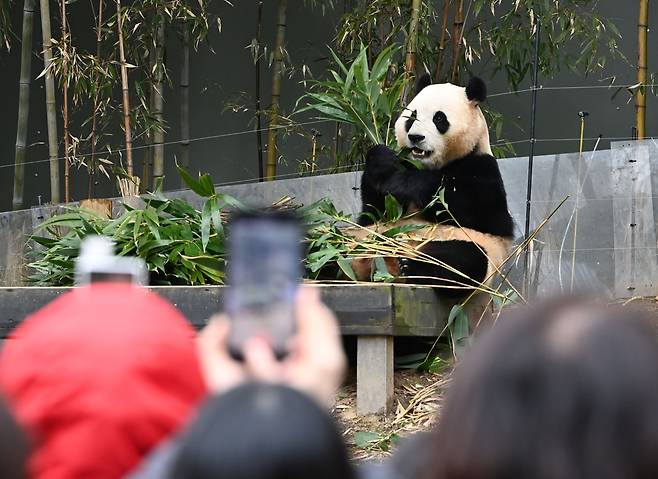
{"type": "Point", "coordinates": [315, 363]}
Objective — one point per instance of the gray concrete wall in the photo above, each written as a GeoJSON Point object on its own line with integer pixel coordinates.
{"type": "Point", "coordinates": [610, 210]}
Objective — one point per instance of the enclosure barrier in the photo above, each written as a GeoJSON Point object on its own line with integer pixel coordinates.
{"type": "Point", "coordinates": [374, 313]}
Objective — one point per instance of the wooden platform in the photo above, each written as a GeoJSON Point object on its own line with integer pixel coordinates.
{"type": "Point", "coordinates": [373, 313]}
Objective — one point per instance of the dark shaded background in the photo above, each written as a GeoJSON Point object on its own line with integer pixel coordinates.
{"type": "Point", "coordinates": [219, 77]}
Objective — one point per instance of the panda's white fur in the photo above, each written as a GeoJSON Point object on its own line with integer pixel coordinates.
{"type": "Point", "coordinates": [468, 128]}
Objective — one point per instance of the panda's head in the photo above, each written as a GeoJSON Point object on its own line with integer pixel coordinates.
{"type": "Point", "coordinates": [444, 122]}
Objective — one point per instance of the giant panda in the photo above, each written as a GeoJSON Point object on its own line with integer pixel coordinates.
{"type": "Point", "coordinates": [444, 128]}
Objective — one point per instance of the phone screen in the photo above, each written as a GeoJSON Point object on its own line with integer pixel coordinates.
{"type": "Point", "coordinates": [264, 271]}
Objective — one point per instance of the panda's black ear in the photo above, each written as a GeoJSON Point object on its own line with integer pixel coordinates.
{"type": "Point", "coordinates": [423, 81]}
{"type": "Point", "coordinates": [476, 91]}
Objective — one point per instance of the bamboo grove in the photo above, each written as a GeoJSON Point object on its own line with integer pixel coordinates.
{"type": "Point", "coordinates": [123, 81]}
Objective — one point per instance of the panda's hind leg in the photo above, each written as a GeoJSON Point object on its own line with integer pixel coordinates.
{"type": "Point", "coordinates": [462, 256]}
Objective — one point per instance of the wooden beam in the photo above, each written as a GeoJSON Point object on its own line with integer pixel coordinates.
{"type": "Point", "coordinates": [374, 375]}
{"type": "Point", "coordinates": [362, 309]}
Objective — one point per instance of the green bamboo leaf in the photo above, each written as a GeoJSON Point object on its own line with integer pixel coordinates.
{"type": "Point", "coordinates": [345, 265]}
{"type": "Point", "coordinates": [207, 185]}
{"type": "Point", "coordinates": [206, 217]}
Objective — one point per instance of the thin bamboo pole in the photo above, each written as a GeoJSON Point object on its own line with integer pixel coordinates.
{"type": "Point", "coordinates": [147, 160]}
{"type": "Point", "coordinates": [185, 100]}
{"type": "Point", "coordinates": [23, 103]}
{"type": "Point", "coordinates": [272, 152]}
{"type": "Point", "coordinates": [51, 107]}
{"type": "Point", "coordinates": [442, 40]}
{"type": "Point", "coordinates": [65, 112]}
{"type": "Point", "coordinates": [531, 158]}
{"type": "Point", "coordinates": [94, 116]}
{"type": "Point", "coordinates": [641, 96]}
{"type": "Point", "coordinates": [259, 124]}
{"type": "Point", "coordinates": [457, 31]}
{"type": "Point", "coordinates": [126, 94]}
{"type": "Point", "coordinates": [412, 41]}
{"type": "Point", "coordinates": [158, 101]}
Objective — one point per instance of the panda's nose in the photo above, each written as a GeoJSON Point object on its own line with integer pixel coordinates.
{"type": "Point", "coordinates": [416, 138]}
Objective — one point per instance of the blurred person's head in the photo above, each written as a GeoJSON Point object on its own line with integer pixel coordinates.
{"type": "Point", "coordinates": [13, 447]}
{"type": "Point", "coordinates": [558, 391]}
{"type": "Point", "coordinates": [99, 377]}
{"type": "Point", "coordinates": [263, 431]}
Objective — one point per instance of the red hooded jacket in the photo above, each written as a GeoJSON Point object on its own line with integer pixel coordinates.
{"type": "Point", "coordinates": [98, 377]}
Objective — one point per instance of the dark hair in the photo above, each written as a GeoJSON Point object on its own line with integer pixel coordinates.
{"type": "Point", "coordinates": [560, 390]}
{"type": "Point", "coordinates": [262, 431]}
{"type": "Point", "coordinates": [13, 446]}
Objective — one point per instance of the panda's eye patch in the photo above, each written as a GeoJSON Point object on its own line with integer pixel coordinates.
{"type": "Point", "coordinates": [441, 122]}
{"type": "Point", "coordinates": [410, 121]}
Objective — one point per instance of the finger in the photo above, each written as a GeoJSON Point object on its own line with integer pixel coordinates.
{"type": "Point", "coordinates": [260, 361]}
{"type": "Point", "coordinates": [313, 316]}
{"type": "Point", "coordinates": [215, 334]}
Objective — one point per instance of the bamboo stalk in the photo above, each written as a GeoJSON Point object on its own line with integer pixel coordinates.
{"type": "Point", "coordinates": [185, 100]}
{"type": "Point", "coordinates": [442, 40]}
{"type": "Point", "coordinates": [457, 31]}
{"type": "Point", "coordinates": [94, 116]}
{"type": "Point", "coordinates": [65, 112]}
{"type": "Point", "coordinates": [126, 94]}
{"type": "Point", "coordinates": [259, 124]}
{"type": "Point", "coordinates": [158, 101]}
{"type": "Point", "coordinates": [270, 172]}
{"type": "Point", "coordinates": [23, 103]}
{"type": "Point", "coordinates": [147, 160]}
{"type": "Point", "coordinates": [412, 41]}
{"type": "Point", "coordinates": [641, 96]}
{"type": "Point", "coordinates": [51, 107]}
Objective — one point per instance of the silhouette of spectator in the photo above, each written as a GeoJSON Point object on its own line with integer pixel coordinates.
{"type": "Point", "coordinates": [99, 377]}
{"type": "Point", "coordinates": [557, 391]}
{"type": "Point", "coordinates": [13, 447]}
{"type": "Point", "coordinates": [315, 366]}
{"type": "Point", "coordinates": [263, 431]}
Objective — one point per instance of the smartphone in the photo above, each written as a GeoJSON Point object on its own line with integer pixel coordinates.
{"type": "Point", "coordinates": [264, 271]}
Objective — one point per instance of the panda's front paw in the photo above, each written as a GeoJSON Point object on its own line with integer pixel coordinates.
{"type": "Point", "coordinates": [403, 266]}
{"type": "Point", "coordinates": [381, 161]}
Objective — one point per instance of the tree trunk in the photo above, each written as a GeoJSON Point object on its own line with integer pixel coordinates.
{"type": "Point", "coordinates": [641, 96]}
{"type": "Point", "coordinates": [158, 102]}
{"type": "Point", "coordinates": [410, 57]}
{"type": "Point", "coordinates": [126, 94]}
{"type": "Point", "coordinates": [457, 32]}
{"type": "Point", "coordinates": [276, 91]}
{"type": "Point", "coordinates": [65, 112]}
{"type": "Point", "coordinates": [185, 101]}
{"type": "Point", "coordinates": [23, 104]}
{"type": "Point", "coordinates": [91, 168]}
{"type": "Point", "coordinates": [259, 123]}
{"type": "Point", "coordinates": [51, 107]}
{"type": "Point", "coordinates": [442, 40]}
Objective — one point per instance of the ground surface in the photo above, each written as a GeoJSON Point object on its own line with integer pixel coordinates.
{"type": "Point", "coordinates": [417, 399]}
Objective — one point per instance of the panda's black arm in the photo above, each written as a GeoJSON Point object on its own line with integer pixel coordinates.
{"type": "Point", "coordinates": [381, 164]}
{"type": "Point", "coordinates": [385, 174]}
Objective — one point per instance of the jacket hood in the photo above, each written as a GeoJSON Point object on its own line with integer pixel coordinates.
{"type": "Point", "coordinates": [98, 377]}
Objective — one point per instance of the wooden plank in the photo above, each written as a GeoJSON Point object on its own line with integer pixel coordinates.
{"type": "Point", "coordinates": [634, 228]}
{"type": "Point", "coordinates": [418, 311]}
{"type": "Point", "coordinates": [18, 303]}
{"type": "Point", "coordinates": [361, 309]}
{"type": "Point", "coordinates": [374, 375]}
